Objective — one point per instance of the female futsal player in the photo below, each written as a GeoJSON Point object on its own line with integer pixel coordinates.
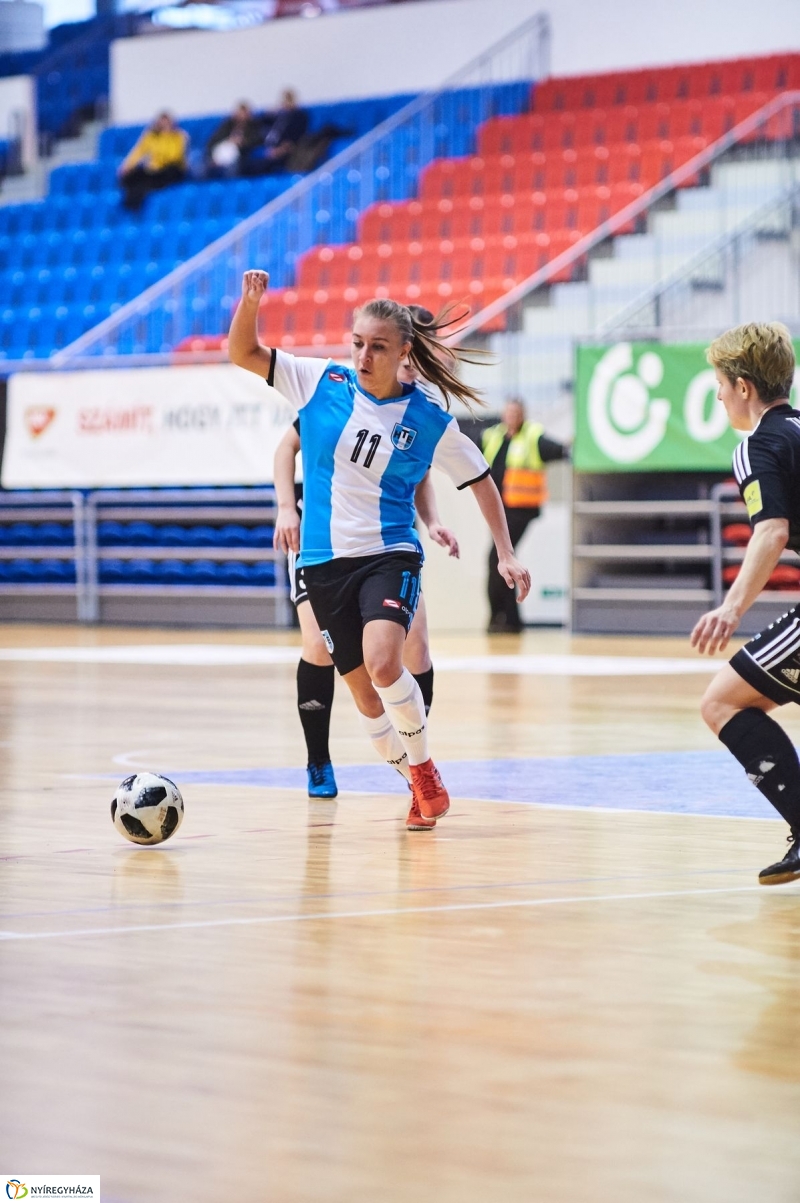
{"type": "Point", "coordinates": [315, 671]}
{"type": "Point", "coordinates": [368, 440]}
{"type": "Point", "coordinates": [754, 366]}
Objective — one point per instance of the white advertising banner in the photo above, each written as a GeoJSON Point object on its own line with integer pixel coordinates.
{"type": "Point", "coordinates": [203, 424]}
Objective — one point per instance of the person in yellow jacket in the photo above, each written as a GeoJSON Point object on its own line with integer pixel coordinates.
{"type": "Point", "coordinates": [516, 451]}
{"type": "Point", "coordinates": [157, 160]}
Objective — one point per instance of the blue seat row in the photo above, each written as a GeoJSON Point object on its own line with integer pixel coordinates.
{"type": "Point", "coordinates": [176, 572]}
{"type": "Point", "coordinates": [139, 572]}
{"type": "Point", "coordinates": [150, 534]}
{"type": "Point", "coordinates": [39, 534]}
{"type": "Point", "coordinates": [37, 572]}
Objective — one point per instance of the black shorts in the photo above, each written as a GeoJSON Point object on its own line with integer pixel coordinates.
{"type": "Point", "coordinates": [348, 593]}
{"type": "Point", "coordinates": [297, 581]}
{"type": "Point", "coordinates": [770, 662]}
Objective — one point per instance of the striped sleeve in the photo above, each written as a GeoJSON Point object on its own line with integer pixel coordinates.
{"type": "Point", "coordinates": [741, 462]}
{"type": "Point", "coordinates": [764, 473]}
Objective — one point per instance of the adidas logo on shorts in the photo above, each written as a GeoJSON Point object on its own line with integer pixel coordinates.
{"type": "Point", "coordinates": [792, 674]}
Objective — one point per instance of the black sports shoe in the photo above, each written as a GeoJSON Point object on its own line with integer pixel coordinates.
{"type": "Point", "coordinates": [787, 869]}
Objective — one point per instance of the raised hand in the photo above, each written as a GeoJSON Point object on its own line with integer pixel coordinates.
{"type": "Point", "coordinates": [254, 286]}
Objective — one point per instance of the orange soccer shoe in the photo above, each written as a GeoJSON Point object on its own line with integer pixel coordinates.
{"type": "Point", "coordinates": [415, 821]}
{"type": "Point", "coordinates": [430, 796]}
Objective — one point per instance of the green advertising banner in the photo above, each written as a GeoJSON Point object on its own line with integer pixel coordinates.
{"type": "Point", "coordinates": [647, 407]}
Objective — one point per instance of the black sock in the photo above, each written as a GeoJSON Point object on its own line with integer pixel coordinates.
{"type": "Point", "coordinates": [425, 682]}
{"type": "Point", "coordinates": [769, 758]}
{"type": "Point", "coordinates": [314, 701]}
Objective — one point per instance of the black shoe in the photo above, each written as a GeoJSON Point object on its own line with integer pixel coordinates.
{"type": "Point", "coordinates": [787, 869]}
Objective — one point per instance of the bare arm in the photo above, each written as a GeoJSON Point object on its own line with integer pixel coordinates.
{"type": "Point", "coordinates": [509, 567]}
{"type": "Point", "coordinates": [287, 524]}
{"type": "Point", "coordinates": [764, 550]}
{"type": "Point", "coordinates": [244, 349]}
{"type": "Point", "coordinates": [425, 501]}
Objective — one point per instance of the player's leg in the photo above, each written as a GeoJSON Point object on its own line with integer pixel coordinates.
{"type": "Point", "coordinates": [315, 682]}
{"type": "Point", "coordinates": [417, 654]}
{"type": "Point", "coordinates": [388, 599]}
{"type": "Point", "coordinates": [735, 707]}
{"type": "Point", "coordinates": [333, 592]}
{"type": "Point", "coordinates": [315, 686]}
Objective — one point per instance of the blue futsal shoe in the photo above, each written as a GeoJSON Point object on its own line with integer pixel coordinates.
{"type": "Point", "coordinates": [321, 781]}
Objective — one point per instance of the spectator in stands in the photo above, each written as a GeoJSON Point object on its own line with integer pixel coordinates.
{"type": "Point", "coordinates": [233, 141]}
{"type": "Point", "coordinates": [285, 128]}
{"type": "Point", "coordinates": [157, 160]}
{"type": "Point", "coordinates": [516, 451]}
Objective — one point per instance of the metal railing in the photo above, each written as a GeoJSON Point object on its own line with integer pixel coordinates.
{"type": "Point", "coordinates": [714, 288]}
{"type": "Point", "coordinates": [85, 510]}
{"type": "Point", "coordinates": [199, 296]}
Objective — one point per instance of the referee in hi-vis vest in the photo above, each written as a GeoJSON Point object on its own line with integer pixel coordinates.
{"type": "Point", "coordinates": [516, 451]}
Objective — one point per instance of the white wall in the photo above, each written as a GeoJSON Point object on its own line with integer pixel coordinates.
{"type": "Point", "coordinates": [18, 96]}
{"type": "Point", "coordinates": [407, 48]}
{"type": "Point", "coordinates": [368, 52]}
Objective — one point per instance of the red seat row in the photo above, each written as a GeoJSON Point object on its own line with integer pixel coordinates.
{"type": "Point", "coordinates": [629, 123]}
{"type": "Point", "coordinates": [695, 81]}
{"type": "Point", "coordinates": [539, 171]}
{"type": "Point", "coordinates": [471, 216]}
{"type": "Point", "coordinates": [434, 261]}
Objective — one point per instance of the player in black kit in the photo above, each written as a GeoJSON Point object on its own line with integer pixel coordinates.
{"type": "Point", "coordinates": [754, 365]}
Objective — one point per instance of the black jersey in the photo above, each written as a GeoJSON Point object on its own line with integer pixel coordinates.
{"type": "Point", "coordinates": [767, 470]}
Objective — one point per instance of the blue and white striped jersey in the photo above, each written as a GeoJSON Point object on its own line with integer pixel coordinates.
{"type": "Point", "coordinates": [363, 458]}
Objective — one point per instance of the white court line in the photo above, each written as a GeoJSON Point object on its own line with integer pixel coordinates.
{"type": "Point", "coordinates": [210, 655]}
{"type": "Point", "coordinates": [393, 912]}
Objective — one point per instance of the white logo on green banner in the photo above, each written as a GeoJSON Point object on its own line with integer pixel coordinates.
{"type": "Point", "coordinates": [646, 406]}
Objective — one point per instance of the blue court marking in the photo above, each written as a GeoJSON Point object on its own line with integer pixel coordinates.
{"type": "Point", "coordinates": [691, 783]}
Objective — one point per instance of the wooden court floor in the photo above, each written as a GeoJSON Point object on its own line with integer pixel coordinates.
{"type": "Point", "coordinates": [573, 989]}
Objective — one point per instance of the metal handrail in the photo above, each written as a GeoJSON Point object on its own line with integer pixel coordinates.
{"type": "Point", "coordinates": [751, 222]}
{"type": "Point", "coordinates": [538, 23]}
{"type": "Point", "coordinates": [97, 499]}
{"type": "Point", "coordinates": [635, 209]}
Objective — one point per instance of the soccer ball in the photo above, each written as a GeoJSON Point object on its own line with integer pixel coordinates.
{"type": "Point", "coordinates": [147, 808]}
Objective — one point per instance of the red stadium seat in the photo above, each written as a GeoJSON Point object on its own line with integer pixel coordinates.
{"type": "Point", "coordinates": [496, 136]}
{"type": "Point", "coordinates": [622, 124]}
{"type": "Point", "coordinates": [654, 122]}
{"type": "Point", "coordinates": [591, 128]}
{"type": "Point", "coordinates": [624, 164]}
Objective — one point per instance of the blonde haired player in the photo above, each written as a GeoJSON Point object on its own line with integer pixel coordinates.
{"type": "Point", "coordinates": [754, 366]}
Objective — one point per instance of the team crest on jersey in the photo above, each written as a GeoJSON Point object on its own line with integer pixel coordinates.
{"type": "Point", "coordinates": [403, 436]}
{"type": "Point", "coordinates": [337, 376]}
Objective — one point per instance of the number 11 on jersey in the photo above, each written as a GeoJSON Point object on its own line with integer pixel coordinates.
{"type": "Point", "coordinates": [361, 438]}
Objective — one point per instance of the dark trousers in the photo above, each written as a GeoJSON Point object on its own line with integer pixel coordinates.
{"type": "Point", "coordinates": [137, 182]}
{"type": "Point", "coordinates": [502, 600]}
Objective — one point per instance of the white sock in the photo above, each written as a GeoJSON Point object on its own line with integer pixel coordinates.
{"type": "Point", "coordinates": [386, 742]}
{"type": "Point", "coordinates": [406, 709]}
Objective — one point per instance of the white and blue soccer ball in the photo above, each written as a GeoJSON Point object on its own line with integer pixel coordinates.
{"type": "Point", "coordinates": [147, 808]}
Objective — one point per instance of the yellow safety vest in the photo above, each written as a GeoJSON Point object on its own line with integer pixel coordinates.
{"type": "Point", "coordinates": [524, 482]}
